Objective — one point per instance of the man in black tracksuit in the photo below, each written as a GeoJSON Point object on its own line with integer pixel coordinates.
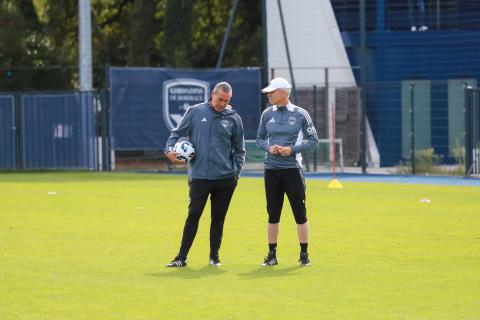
{"type": "Point", "coordinates": [216, 131]}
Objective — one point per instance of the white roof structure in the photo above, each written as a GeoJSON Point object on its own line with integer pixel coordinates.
{"type": "Point", "coordinates": [314, 42]}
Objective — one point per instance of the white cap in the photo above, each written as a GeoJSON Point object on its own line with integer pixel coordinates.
{"type": "Point", "coordinates": [277, 83]}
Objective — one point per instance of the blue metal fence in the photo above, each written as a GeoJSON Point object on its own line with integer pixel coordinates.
{"type": "Point", "coordinates": [58, 131]}
{"type": "Point", "coordinates": [7, 132]}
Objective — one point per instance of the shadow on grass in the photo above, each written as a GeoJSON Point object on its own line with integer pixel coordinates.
{"type": "Point", "coordinates": [188, 273]}
{"type": "Point", "coordinates": [270, 272]}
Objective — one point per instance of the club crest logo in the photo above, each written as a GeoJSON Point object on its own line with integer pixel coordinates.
{"type": "Point", "coordinates": [179, 95]}
{"type": "Point", "coordinates": [225, 123]}
{"type": "Point", "coordinates": [291, 120]}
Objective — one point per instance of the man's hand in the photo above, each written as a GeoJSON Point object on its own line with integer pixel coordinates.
{"type": "Point", "coordinates": [285, 151]}
{"type": "Point", "coordinates": [274, 149]}
{"type": "Point", "coordinates": [172, 156]}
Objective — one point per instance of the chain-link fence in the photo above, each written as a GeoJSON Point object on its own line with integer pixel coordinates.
{"type": "Point", "coordinates": [412, 127]}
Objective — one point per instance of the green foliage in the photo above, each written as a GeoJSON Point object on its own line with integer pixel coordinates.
{"type": "Point", "coordinates": [244, 46]}
{"type": "Point", "coordinates": [12, 43]}
{"type": "Point", "coordinates": [29, 55]}
{"type": "Point", "coordinates": [39, 38]}
{"type": "Point", "coordinates": [178, 33]}
{"type": "Point", "coordinates": [428, 162]}
{"type": "Point", "coordinates": [459, 153]}
{"type": "Point", "coordinates": [96, 249]}
{"type": "Point", "coordinates": [426, 159]}
{"type": "Point", "coordinates": [425, 162]}
{"type": "Point", "coordinates": [459, 156]}
{"type": "Point", "coordinates": [142, 32]}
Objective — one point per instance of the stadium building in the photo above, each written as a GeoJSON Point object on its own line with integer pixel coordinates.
{"type": "Point", "coordinates": [420, 55]}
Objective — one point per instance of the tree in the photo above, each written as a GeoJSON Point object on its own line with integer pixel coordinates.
{"type": "Point", "coordinates": [245, 43]}
{"type": "Point", "coordinates": [177, 45]}
{"type": "Point", "coordinates": [210, 19]}
{"type": "Point", "coordinates": [142, 32]}
{"type": "Point", "coordinates": [27, 8]}
{"type": "Point", "coordinates": [12, 42]}
{"type": "Point", "coordinates": [26, 50]}
{"type": "Point", "coordinates": [39, 38]}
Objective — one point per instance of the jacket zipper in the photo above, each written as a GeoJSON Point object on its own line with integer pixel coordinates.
{"type": "Point", "coordinates": [209, 142]}
{"type": "Point", "coordinates": [281, 115]}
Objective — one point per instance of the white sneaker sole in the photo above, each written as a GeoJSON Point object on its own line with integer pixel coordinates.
{"type": "Point", "coordinates": [268, 265]}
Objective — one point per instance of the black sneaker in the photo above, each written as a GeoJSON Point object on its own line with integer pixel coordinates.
{"type": "Point", "coordinates": [215, 261]}
{"type": "Point", "coordinates": [304, 261]}
{"type": "Point", "coordinates": [270, 260]}
{"type": "Point", "coordinates": [177, 263]}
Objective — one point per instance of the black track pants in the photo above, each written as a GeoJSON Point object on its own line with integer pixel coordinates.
{"type": "Point", "coordinates": [220, 192]}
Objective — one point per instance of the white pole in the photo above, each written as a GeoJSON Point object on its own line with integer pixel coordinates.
{"type": "Point", "coordinates": [85, 45]}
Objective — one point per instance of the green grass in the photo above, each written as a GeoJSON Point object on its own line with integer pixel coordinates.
{"type": "Point", "coordinates": [96, 250]}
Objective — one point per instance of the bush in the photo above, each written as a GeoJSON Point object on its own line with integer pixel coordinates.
{"type": "Point", "coordinates": [425, 161]}
{"type": "Point", "coordinates": [459, 153]}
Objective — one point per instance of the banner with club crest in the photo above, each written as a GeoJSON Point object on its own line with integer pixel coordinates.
{"type": "Point", "coordinates": [146, 103]}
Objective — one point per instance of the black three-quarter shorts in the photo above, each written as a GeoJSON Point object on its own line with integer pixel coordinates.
{"type": "Point", "coordinates": [291, 182]}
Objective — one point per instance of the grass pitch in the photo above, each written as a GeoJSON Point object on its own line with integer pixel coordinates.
{"type": "Point", "coordinates": [93, 246]}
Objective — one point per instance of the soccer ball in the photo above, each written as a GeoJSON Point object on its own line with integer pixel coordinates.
{"type": "Point", "coordinates": [185, 150]}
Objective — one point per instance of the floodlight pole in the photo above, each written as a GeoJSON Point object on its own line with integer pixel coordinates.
{"type": "Point", "coordinates": [468, 128]}
{"type": "Point", "coordinates": [412, 124]}
{"type": "Point", "coordinates": [264, 51]}
{"type": "Point", "coordinates": [315, 125]}
{"type": "Point", "coordinates": [363, 80]}
{"type": "Point", "coordinates": [85, 45]}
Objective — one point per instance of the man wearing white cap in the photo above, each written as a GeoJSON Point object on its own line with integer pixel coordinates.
{"type": "Point", "coordinates": [281, 132]}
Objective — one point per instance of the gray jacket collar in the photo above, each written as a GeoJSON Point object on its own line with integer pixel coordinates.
{"type": "Point", "coordinates": [290, 107]}
{"type": "Point", "coordinates": [230, 109]}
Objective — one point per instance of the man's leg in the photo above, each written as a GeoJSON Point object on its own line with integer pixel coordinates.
{"type": "Point", "coordinates": [199, 190]}
{"type": "Point", "coordinates": [220, 200]}
{"type": "Point", "coordinates": [274, 192]}
{"type": "Point", "coordinates": [295, 189]}
{"type": "Point", "coordinates": [295, 185]}
{"type": "Point", "coordinates": [302, 230]}
{"type": "Point", "coordinates": [272, 230]}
